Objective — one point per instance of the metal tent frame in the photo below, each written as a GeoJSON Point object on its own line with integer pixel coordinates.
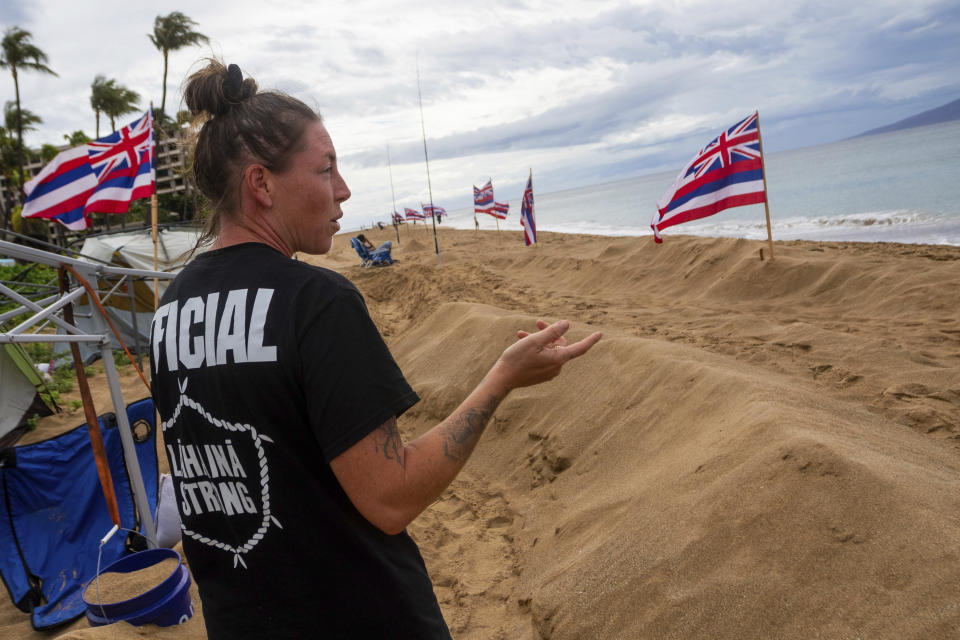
{"type": "Point", "coordinates": [49, 310]}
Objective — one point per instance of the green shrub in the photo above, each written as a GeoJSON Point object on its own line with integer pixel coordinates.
{"type": "Point", "coordinates": [27, 278]}
{"type": "Point", "coordinates": [120, 359]}
{"type": "Point", "coordinates": [39, 351]}
{"type": "Point", "coordinates": [63, 377]}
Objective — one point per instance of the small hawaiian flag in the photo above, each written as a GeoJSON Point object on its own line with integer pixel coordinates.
{"type": "Point", "coordinates": [526, 214]}
{"type": "Point", "coordinates": [500, 210]}
{"type": "Point", "coordinates": [433, 209]}
{"type": "Point", "coordinates": [483, 198]}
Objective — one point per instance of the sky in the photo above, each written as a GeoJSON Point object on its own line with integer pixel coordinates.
{"type": "Point", "coordinates": [578, 92]}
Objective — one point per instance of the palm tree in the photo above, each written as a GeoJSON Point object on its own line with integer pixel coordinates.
{"type": "Point", "coordinates": [120, 100]}
{"type": "Point", "coordinates": [99, 92]}
{"type": "Point", "coordinates": [18, 53]}
{"type": "Point", "coordinates": [23, 118]}
{"type": "Point", "coordinates": [8, 166]}
{"type": "Point", "coordinates": [9, 149]}
{"type": "Point", "coordinates": [123, 101]}
{"type": "Point", "coordinates": [48, 152]}
{"type": "Point", "coordinates": [76, 138]}
{"type": "Point", "coordinates": [172, 32]}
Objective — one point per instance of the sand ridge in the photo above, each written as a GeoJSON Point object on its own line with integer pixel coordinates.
{"type": "Point", "coordinates": [755, 449]}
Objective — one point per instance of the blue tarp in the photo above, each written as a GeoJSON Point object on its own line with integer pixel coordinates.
{"type": "Point", "coordinates": [53, 514]}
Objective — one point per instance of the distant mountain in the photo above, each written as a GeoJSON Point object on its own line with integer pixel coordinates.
{"type": "Point", "coordinates": [949, 111]}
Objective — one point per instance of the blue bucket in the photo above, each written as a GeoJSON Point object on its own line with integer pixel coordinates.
{"type": "Point", "coordinates": [165, 605]}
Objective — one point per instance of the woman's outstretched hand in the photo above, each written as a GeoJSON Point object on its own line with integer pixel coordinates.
{"type": "Point", "coordinates": [538, 357]}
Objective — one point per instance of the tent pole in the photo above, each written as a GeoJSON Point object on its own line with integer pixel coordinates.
{"type": "Point", "coordinates": [126, 437]}
{"type": "Point", "coordinates": [129, 451]}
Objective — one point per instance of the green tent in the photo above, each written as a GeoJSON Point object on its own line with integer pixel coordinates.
{"type": "Point", "coordinates": [23, 393]}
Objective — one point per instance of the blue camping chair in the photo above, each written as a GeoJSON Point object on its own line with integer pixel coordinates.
{"type": "Point", "coordinates": [53, 514]}
{"type": "Point", "coordinates": [379, 257]}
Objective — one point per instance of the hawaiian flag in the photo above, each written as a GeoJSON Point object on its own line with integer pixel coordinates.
{"type": "Point", "coordinates": [396, 218]}
{"type": "Point", "coordinates": [433, 209]}
{"type": "Point", "coordinates": [726, 173]}
{"type": "Point", "coordinates": [500, 210]}
{"type": "Point", "coordinates": [61, 189]}
{"type": "Point", "coordinates": [123, 163]}
{"type": "Point", "coordinates": [526, 214]}
{"type": "Point", "coordinates": [102, 176]}
{"type": "Point", "coordinates": [483, 198]}
{"type": "Point", "coordinates": [413, 214]}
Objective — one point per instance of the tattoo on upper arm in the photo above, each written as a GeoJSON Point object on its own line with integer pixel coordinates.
{"type": "Point", "coordinates": [387, 440]}
{"type": "Point", "coordinates": [461, 437]}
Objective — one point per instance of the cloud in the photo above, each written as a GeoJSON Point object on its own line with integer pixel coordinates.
{"type": "Point", "coordinates": [18, 13]}
{"type": "Point", "coordinates": [581, 91]}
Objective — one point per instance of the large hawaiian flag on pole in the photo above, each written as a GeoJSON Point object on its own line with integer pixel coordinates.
{"type": "Point", "coordinates": [102, 176]}
{"type": "Point", "coordinates": [726, 173]}
{"type": "Point", "coordinates": [123, 162]}
{"type": "Point", "coordinates": [527, 220]}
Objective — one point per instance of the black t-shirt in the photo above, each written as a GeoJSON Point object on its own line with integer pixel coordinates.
{"type": "Point", "coordinates": [264, 370]}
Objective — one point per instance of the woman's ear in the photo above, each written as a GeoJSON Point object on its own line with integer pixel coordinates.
{"type": "Point", "coordinates": [257, 184]}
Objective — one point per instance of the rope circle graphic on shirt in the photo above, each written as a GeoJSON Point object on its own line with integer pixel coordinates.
{"type": "Point", "coordinates": [258, 439]}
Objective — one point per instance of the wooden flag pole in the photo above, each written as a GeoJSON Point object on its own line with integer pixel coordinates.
{"type": "Point", "coordinates": [156, 261]}
{"type": "Point", "coordinates": [766, 197]}
{"type": "Point", "coordinates": [153, 219]}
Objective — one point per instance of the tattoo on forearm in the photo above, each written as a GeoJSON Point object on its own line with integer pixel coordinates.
{"type": "Point", "coordinates": [461, 437]}
{"type": "Point", "coordinates": [387, 440]}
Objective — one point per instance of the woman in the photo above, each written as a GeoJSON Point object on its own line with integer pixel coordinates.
{"type": "Point", "coordinates": [384, 246]}
{"type": "Point", "coordinates": [279, 398]}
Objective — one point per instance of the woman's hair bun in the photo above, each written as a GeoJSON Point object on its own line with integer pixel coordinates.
{"type": "Point", "coordinates": [216, 89]}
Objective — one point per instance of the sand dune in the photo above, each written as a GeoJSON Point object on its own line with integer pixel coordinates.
{"type": "Point", "coordinates": [755, 449]}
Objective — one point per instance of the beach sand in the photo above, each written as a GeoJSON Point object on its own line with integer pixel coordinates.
{"type": "Point", "coordinates": [755, 449]}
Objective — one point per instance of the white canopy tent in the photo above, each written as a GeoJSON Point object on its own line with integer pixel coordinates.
{"type": "Point", "coordinates": [132, 250]}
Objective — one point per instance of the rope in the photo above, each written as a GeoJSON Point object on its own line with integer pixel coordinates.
{"type": "Point", "coordinates": [93, 296]}
{"type": "Point", "coordinates": [90, 413]}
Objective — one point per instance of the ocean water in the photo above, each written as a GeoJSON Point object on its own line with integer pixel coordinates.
{"type": "Point", "coordinates": [902, 186]}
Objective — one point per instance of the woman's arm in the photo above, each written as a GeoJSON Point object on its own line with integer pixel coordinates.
{"type": "Point", "coordinates": [391, 483]}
